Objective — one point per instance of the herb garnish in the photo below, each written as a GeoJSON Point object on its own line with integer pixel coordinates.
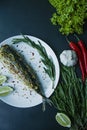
{"type": "Point", "coordinates": [70, 97]}
{"type": "Point", "coordinates": [70, 15]}
{"type": "Point", "coordinates": [47, 60]}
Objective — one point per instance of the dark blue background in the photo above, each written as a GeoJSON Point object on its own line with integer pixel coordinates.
{"type": "Point", "coordinates": [30, 17]}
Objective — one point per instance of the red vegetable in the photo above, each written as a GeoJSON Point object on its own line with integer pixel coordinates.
{"type": "Point", "coordinates": [75, 47]}
{"type": "Point", "coordinates": [84, 52]}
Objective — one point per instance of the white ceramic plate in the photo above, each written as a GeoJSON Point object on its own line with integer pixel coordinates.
{"type": "Point", "coordinates": [22, 96]}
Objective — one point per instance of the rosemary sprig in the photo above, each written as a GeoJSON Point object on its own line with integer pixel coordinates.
{"type": "Point", "coordinates": [47, 60]}
{"type": "Point", "coordinates": [70, 97]}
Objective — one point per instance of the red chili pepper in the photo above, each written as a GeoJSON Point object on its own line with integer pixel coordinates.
{"type": "Point", "coordinates": [74, 47]}
{"type": "Point", "coordinates": [84, 52]}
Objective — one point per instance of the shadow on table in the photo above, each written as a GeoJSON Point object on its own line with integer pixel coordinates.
{"type": "Point", "coordinates": [85, 26]}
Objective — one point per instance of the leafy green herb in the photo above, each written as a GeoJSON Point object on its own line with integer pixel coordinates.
{"type": "Point", "coordinates": [70, 97]}
{"type": "Point", "coordinates": [70, 15]}
{"type": "Point", "coordinates": [47, 61]}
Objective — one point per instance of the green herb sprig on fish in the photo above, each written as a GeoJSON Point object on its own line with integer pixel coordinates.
{"type": "Point", "coordinates": [47, 60]}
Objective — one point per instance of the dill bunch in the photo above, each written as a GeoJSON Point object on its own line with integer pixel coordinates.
{"type": "Point", "coordinates": [70, 98]}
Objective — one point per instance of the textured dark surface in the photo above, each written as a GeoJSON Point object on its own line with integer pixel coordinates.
{"type": "Point", "coordinates": [30, 17]}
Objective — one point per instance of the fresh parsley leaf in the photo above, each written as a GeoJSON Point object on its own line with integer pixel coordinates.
{"type": "Point", "coordinates": [70, 15]}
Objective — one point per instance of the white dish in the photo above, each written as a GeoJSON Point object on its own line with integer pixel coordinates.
{"type": "Point", "coordinates": [22, 96]}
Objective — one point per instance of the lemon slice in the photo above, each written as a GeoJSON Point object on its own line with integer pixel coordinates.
{"type": "Point", "coordinates": [2, 79]}
{"type": "Point", "coordinates": [63, 120]}
{"type": "Point", "coordinates": [5, 90]}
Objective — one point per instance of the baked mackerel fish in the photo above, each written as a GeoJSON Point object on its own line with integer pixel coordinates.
{"type": "Point", "coordinates": [15, 63]}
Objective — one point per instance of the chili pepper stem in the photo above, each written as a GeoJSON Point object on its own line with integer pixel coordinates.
{"type": "Point", "coordinates": [67, 40]}
{"type": "Point", "coordinates": [77, 37]}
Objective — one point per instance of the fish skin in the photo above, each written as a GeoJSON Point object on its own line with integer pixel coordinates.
{"type": "Point", "coordinates": [14, 62]}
